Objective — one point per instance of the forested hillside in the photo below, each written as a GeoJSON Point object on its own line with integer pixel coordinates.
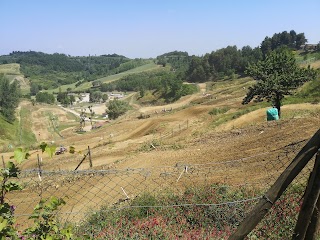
{"type": "Point", "coordinates": [229, 61]}
{"type": "Point", "coordinates": [166, 85]}
{"type": "Point", "coordinates": [47, 71]}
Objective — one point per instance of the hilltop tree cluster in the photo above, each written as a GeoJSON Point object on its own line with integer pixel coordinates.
{"type": "Point", "coordinates": [223, 62]}
{"type": "Point", "coordinates": [229, 61]}
{"type": "Point", "coordinates": [289, 39]}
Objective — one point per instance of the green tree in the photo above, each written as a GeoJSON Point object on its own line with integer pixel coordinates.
{"type": "Point", "coordinates": [72, 99]}
{"type": "Point", "coordinates": [116, 108]}
{"type": "Point", "coordinates": [34, 89]}
{"type": "Point", "coordinates": [105, 97]}
{"type": "Point", "coordinates": [300, 40]}
{"type": "Point", "coordinates": [45, 97]}
{"type": "Point", "coordinates": [95, 96]}
{"type": "Point", "coordinates": [9, 98]}
{"type": "Point", "coordinates": [199, 70]}
{"type": "Point", "coordinates": [277, 75]}
{"type": "Point", "coordinates": [63, 98]}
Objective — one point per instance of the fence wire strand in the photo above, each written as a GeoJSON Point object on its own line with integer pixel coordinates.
{"type": "Point", "coordinates": [224, 191]}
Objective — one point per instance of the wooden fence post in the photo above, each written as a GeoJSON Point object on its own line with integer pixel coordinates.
{"type": "Point", "coordinates": [90, 160]}
{"type": "Point", "coordinates": [314, 226]}
{"type": "Point", "coordinates": [84, 157]}
{"type": "Point", "coordinates": [39, 165]}
{"type": "Point", "coordinates": [309, 202]}
{"type": "Point", "coordinates": [276, 190]}
{"type": "Point", "coordinates": [4, 165]}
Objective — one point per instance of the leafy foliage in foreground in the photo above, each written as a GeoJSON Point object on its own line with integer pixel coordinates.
{"type": "Point", "coordinates": [44, 215]}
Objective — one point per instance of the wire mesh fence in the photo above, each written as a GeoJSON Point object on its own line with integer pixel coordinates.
{"type": "Point", "coordinates": [207, 200]}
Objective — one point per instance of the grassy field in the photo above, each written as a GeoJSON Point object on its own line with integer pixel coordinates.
{"type": "Point", "coordinates": [10, 69]}
{"type": "Point", "coordinates": [12, 72]}
{"type": "Point", "coordinates": [13, 134]}
{"type": "Point", "coordinates": [7, 133]}
{"type": "Point", "coordinates": [147, 67]}
{"type": "Point", "coordinates": [25, 132]}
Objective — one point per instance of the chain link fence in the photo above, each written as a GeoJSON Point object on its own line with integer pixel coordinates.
{"type": "Point", "coordinates": [207, 200]}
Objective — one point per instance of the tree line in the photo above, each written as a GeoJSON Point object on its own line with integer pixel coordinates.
{"type": "Point", "coordinates": [229, 61]}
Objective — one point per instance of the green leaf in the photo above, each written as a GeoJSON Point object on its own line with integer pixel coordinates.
{"type": "Point", "coordinates": [3, 223]}
{"type": "Point", "coordinates": [20, 155]}
{"type": "Point", "coordinates": [50, 150]}
{"type": "Point", "coordinates": [43, 146]}
{"type": "Point", "coordinates": [12, 186]}
{"type": "Point", "coordinates": [13, 170]}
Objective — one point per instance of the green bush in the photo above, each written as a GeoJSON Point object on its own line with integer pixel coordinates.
{"type": "Point", "coordinates": [217, 111]}
{"type": "Point", "coordinates": [116, 108]}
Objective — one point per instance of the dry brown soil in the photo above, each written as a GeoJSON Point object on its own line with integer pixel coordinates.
{"type": "Point", "coordinates": [183, 136]}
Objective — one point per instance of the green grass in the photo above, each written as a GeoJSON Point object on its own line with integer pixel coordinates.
{"type": "Point", "coordinates": [27, 136]}
{"type": "Point", "coordinates": [10, 69]}
{"type": "Point", "coordinates": [308, 93]}
{"type": "Point", "coordinates": [17, 133]}
{"type": "Point", "coordinates": [216, 111]}
{"type": "Point", "coordinates": [223, 118]}
{"type": "Point", "coordinates": [8, 134]}
{"type": "Point", "coordinates": [147, 67]}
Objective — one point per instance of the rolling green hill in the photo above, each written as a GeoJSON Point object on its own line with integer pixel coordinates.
{"type": "Point", "coordinates": [150, 66]}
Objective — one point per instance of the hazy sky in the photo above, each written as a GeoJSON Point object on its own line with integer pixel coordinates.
{"type": "Point", "coordinates": [147, 28]}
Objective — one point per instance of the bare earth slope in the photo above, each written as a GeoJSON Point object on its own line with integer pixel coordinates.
{"type": "Point", "coordinates": [184, 136]}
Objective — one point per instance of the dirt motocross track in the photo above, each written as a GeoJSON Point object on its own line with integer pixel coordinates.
{"type": "Point", "coordinates": [184, 136]}
{"type": "Point", "coordinates": [185, 132]}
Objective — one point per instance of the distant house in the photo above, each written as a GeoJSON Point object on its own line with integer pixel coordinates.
{"type": "Point", "coordinates": [309, 47]}
{"type": "Point", "coordinates": [115, 95]}
{"type": "Point", "coordinates": [84, 97]}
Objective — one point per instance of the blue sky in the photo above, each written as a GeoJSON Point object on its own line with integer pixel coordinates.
{"type": "Point", "coordinates": [147, 28]}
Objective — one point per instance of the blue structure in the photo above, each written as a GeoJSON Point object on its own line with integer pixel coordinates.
{"type": "Point", "coordinates": [272, 114]}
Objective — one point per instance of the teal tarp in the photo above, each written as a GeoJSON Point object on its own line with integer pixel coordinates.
{"type": "Point", "coordinates": [272, 114]}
